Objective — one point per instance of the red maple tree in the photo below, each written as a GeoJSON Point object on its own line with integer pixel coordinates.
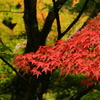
{"type": "Point", "coordinates": [78, 55]}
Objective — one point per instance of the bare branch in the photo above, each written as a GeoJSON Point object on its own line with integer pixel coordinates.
{"type": "Point", "coordinates": [17, 73]}
{"type": "Point", "coordinates": [9, 65]}
{"type": "Point", "coordinates": [77, 18]}
{"type": "Point", "coordinates": [49, 20]}
{"type": "Point", "coordinates": [57, 18]}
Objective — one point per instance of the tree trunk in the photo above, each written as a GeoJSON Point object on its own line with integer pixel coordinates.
{"type": "Point", "coordinates": [33, 88]}
{"type": "Point", "coordinates": [21, 89]}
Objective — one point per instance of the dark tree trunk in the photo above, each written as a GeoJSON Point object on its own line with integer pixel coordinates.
{"type": "Point", "coordinates": [33, 88]}
{"type": "Point", "coordinates": [21, 89]}
{"type": "Point", "coordinates": [31, 25]}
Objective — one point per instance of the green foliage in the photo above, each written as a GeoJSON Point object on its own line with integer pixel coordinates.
{"type": "Point", "coordinates": [79, 6]}
{"type": "Point", "coordinates": [5, 51]}
{"type": "Point", "coordinates": [97, 1]}
{"type": "Point", "coordinates": [10, 39]}
{"type": "Point", "coordinates": [65, 86]}
{"type": "Point", "coordinates": [93, 95]}
{"type": "Point", "coordinates": [47, 6]}
{"type": "Point", "coordinates": [5, 97]}
{"type": "Point", "coordinates": [68, 4]}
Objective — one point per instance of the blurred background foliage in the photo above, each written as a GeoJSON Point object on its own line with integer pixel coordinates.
{"type": "Point", "coordinates": [13, 41]}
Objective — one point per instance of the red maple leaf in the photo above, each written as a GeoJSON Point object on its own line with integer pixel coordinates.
{"type": "Point", "coordinates": [46, 69]}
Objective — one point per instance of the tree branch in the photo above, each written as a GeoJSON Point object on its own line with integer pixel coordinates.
{"type": "Point", "coordinates": [1, 42]}
{"type": "Point", "coordinates": [79, 15]}
{"type": "Point", "coordinates": [49, 20]}
{"type": "Point", "coordinates": [17, 73]}
{"type": "Point", "coordinates": [81, 93]}
{"type": "Point", "coordinates": [94, 12]}
{"type": "Point", "coordinates": [9, 65]}
{"type": "Point", "coordinates": [57, 18]}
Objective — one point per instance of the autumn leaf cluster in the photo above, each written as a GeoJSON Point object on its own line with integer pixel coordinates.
{"type": "Point", "coordinates": [78, 55]}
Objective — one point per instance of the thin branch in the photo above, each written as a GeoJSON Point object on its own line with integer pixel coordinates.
{"type": "Point", "coordinates": [11, 11]}
{"type": "Point", "coordinates": [9, 65]}
{"type": "Point", "coordinates": [17, 73]}
{"type": "Point", "coordinates": [57, 18]}
{"type": "Point", "coordinates": [1, 42]}
{"type": "Point", "coordinates": [81, 93]}
{"type": "Point", "coordinates": [77, 18]}
{"type": "Point", "coordinates": [49, 19]}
